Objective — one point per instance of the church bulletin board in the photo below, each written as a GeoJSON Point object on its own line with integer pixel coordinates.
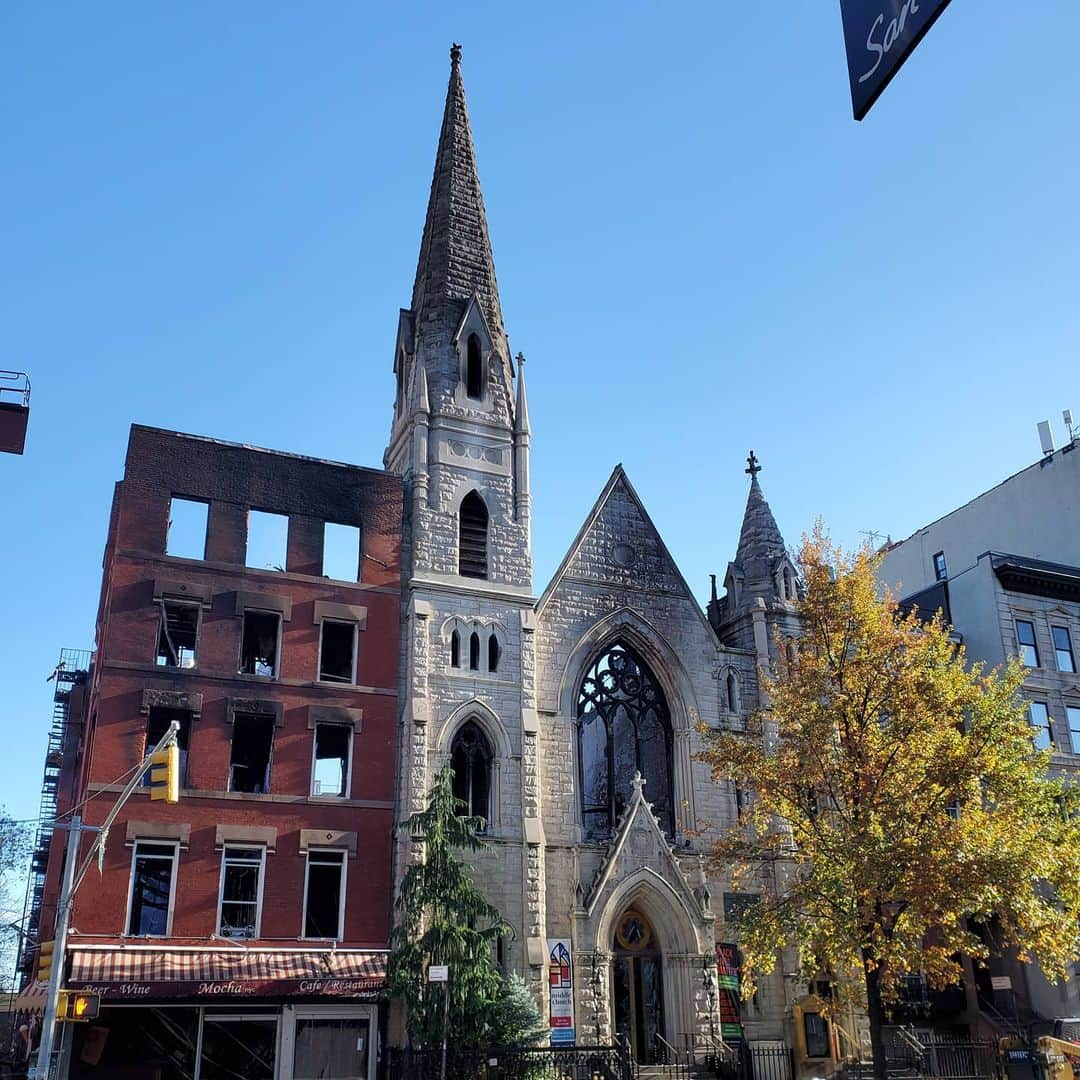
{"type": "Point", "coordinates": [561, 992]}
{"type": "Point", "coordinates": [727, 992]}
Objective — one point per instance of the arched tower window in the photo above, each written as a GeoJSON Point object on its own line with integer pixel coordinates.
{"type": "Point", "coordinates": [493, 653]}
{"type": "Point", "coordinates": [455, 649]}
{"type": "Point", "coordinates": [470, 758]}
{"type": "Point", "coordinates": [474, 651]}
{"type": "Point", "coordinates": [732, 692]}
{"type": "Point", "coordinates": [472, 537]}
{"type": "Point", "coordinates": [474, 368]}
{"type": "Point", "coordinates": [623, 727]}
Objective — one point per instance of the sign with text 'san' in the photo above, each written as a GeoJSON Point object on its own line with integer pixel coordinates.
{"type": "Point", "coordinates": [879, 36]}
{"type": "Point", "coordinates": [561, 992]}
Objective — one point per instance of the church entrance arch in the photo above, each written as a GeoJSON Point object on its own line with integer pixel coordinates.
{"type": "Point", "coordinates": [637, 984]}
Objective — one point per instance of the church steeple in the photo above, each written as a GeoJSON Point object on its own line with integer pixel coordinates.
{"type": "Point", "coordinates": [455, 261]}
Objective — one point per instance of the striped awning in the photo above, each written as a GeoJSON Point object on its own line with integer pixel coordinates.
{"type": "Point", "coordinates": [147, 972]}
{"type": "Point", "coordinates": [31, 998]}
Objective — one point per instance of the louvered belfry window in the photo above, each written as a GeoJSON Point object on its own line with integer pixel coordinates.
{"type": "Point", "coordinates": [472, 537]}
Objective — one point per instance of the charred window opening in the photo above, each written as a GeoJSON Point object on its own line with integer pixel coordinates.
{"type": "Point", "coordinates": [493, 653]}
{"type": "Point", "coordinates": [259, 644]}
{"type": "Point", "coordinates": [152, 872]}
{"type": "Point", "coordinates": [267, 540]}
{"type": "Point", "coordinates": [331, 771]}
{"type": "Point", "coordinates": [324, 894]}
{"type": "Point", "coordinates": [455, 649]}
{"type": "Point", "coordinates": [241, 871]}
{"type": "Point", "coordinates": [472, 537]}
{"type": "Point", "coordinates": [624, 727]}
{"type": "Point", "coordinates": [157, 723]}
{"type": "Point", "coordinates": [470, 758]}
{"type": "Point", "coordinates": [474, 368]}
{"type": "Point", "coordinates": [337, 652]}
{"type": "Point", "coordinates": [249, 758]}
{"type": "Point", "coordinates": [186, 533]}
{"type": "Point", "coordinates": [342, 551]}
{"type": "Point", "coordinates": [474, 651]}
{"type": "Point", "coordinates": [178, 631]}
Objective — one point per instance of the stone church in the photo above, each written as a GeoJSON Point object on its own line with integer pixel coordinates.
{"type": "Point", "coordinates": [571, 715]}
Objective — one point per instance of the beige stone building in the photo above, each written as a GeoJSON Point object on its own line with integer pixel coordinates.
{"type": "Point", "coordinates": [572, 718]}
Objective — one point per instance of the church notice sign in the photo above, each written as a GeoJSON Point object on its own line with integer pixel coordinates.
{"type": "Point", "coordinates": [879, 36]}
{"type": "Point", "coordinates": [561, 992]}
{"type": "Point", "coordinates": [727, 993]}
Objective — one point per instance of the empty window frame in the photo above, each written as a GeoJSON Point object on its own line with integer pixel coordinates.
{"type": "Point", "coordinates": [1025, 637]}
{"type": "Point", "coordinates": [474, 368]}
{"type": "Point", "coordinates": [157, 723]}
{"type": "Point", "coordinates": [1039, 718]}
{"type": "Point", "coordinates": [332, 755]}
{"type": "Point", "coordinates": [251, 752]}
{"type": "Point", "coordinates": [240, 896]}
{"type": "Point", "coordinates": [1063, 651]}
{"type": "Point", "coordinates": [342, 552]}
{"type": "Point", "coordinates": [473, 537]}
{"type": "Point", "coordinates": [337, 652]}
{"type": "Point", "coordinates": [1072, 712]}
{"type": "Point", "coordinates": [324, 894]}
{"type": "Point", "coordinates": [267, 540]}
{"type": "Point", "coordinates": [186, 534]}
{"type": "Point", "coordinates": [941, 570]}
{"type": "Point", "coordinates": [493, 653]}
{"type": "Point", "coordinates": [150, 902]}
{"type": "Point", "coordinates": [178, 634]}
{"type": "Point", "coordinates": [259, 643]}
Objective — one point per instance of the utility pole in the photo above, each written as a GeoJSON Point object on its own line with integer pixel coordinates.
{"type": "Point", "coordinates": [56, 972]}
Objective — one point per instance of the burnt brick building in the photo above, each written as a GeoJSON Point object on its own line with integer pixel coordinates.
{"type": "Point", "coordinates": [253, 597]}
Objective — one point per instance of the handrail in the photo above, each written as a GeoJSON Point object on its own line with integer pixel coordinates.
{"type": "Point", "coordinates": [911, 1040]}
{"type": "Point", "coordinates": [17, 377]}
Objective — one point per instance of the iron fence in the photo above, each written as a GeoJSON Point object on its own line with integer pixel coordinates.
{"type": "Point", "coordinates": [545, 1063]}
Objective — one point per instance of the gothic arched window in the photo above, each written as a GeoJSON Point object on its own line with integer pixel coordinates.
{"type": "Point", "coordinates": [455, 649]}
{"type": "Point", "coordinates": [472, 537]}
{"type": "Point", "coordinates": [623, 727]}
{"type": "Point", "coordinates": [493, 653]}
{"type": "Point", "coordinates": [474, 368]}
{"type": "Point", "coordinates": [732, 692]}
{"type": "Point", "coordinates": [474, 651]}
{"type": "Point", "coordinates": [470, 758]}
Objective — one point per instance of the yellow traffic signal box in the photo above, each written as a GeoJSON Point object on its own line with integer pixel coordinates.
{"type": "Point", "coordinates": [45, 960]}
{"type": "Point", "coordinates": [165, 774]}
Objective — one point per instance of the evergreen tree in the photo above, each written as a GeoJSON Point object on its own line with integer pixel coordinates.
{"type": "Point", "coordinates": [443, 919]}
{"type": "Point", "coordinates": [515, 1021]}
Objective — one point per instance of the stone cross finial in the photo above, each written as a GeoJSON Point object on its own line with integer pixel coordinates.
{"type": "Point", "coordinates": [455, 54]}
{"type": "Point", "coordinates": [753, 468]}
{"type": "Point", "coordinates": [639, 782]}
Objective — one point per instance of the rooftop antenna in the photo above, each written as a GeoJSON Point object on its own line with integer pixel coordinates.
{"type": "Point", "coordinates": [875, 537]}
{"type": "Point", "coordinates": [1066, 415]}
{"type": "Point", "coordinates": [1046, 437]}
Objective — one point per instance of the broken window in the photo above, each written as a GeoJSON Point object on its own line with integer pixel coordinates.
{"type": "Point", "coordinates": [153, 869]}
{"type": "Point", "coordinates": [474, 651]}
{"type": "Point", "coordinates": [157, 723]}
{"type": "Point", "coordinates": [474, 368]}
{"type": "Point", "coordinates": [324, 894]}
{"type": "Point", "coordinates": [330, 775]}
{"type": "Point", "coordinates": [252, 747]}
{"type": "Point", "coordinates": [186, 535]}
{"type": "Point", "coordinates": [472, 537]}
{"type": "Point", "coordinates": [470, 758]}
{"type": "Point", "coordinates": [267, 540]}
{"type": "Point", "coordinates": [177, 634]}
{"type": "Point", "coordinates": [337, 652]}
{"type": "Point", "coordinates": [241, 892]}
{"type": "Point", "coordinates": [455, 649]}
{"type": "Point", "coordinates": [342, 559]}
{"type": "Point", "coordinates": [259, 643]}
{"type": "Point", "coordinates": [493, 653]}
{"type": "Point", "coordinates": [623, 728]}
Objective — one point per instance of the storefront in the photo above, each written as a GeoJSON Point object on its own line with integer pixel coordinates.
{"type": "Point", "coordinates": [261, 1014]}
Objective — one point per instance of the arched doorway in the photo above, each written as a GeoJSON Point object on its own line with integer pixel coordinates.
{"type": "Point", "coordinates": [637, 984]}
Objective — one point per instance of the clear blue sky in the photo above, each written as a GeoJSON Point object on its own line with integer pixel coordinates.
{"type": "Point", "coordinates": [211, 215]}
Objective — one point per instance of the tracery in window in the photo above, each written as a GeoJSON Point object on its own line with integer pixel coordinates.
{"type": "Point", "coordinates": [470, 758]}
{"type": "Point", "coordinates": [623, 727]}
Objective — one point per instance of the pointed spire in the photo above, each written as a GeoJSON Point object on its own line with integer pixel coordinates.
{"type": "Point", "coordinates": [521, 409]}
{"type": "Point", "coordinates": [455, 252]}
{"type": "Point", "coordinates": [761, 544]}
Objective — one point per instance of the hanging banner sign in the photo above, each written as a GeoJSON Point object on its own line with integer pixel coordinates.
{"type": "Point", "coordinates": [879, 36]}
{"type": "Point", "coordinates": [561, 992]}
{"type": "Point", "coordinates": [727, 993]}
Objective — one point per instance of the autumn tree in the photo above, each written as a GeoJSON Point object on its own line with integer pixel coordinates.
{"type": "Point", "coordinates": [442, 918]}
{"type": "Point", "coordinates": [899, 800]}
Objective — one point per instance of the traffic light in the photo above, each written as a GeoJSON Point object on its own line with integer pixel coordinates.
{"type": "Point", "coordinates": [77, 1005]}
{"type": "Point", "coordinates": [165, 774]}
{"type": "Point", "coordinates": [45, 960]}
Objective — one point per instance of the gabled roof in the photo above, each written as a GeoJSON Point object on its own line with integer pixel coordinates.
{"type": "Point", "coordinates": [455, 252]}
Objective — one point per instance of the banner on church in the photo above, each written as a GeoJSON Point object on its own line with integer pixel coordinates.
{"type": "Point", "coordinates": [727, 992]}
{"type": "Point", "coordinates": [561, 992]}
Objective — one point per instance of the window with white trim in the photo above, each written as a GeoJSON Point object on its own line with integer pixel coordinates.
{"type": "Point", "coordinates": [324, 894]}
{"type": "Point", "coordinates": [150, 901]}
{"type": "Point", "coordinates": [240, 905]}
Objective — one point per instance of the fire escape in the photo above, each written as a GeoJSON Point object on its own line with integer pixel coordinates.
{"type": "Point", "coordinates": [73, 668]}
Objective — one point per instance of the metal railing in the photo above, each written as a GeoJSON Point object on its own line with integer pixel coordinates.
{"type": "Point", "coordinates": [544, 1063]}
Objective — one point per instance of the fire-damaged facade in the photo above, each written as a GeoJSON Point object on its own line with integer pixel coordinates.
{"type": "Point", "coordinates": [253, 597]}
